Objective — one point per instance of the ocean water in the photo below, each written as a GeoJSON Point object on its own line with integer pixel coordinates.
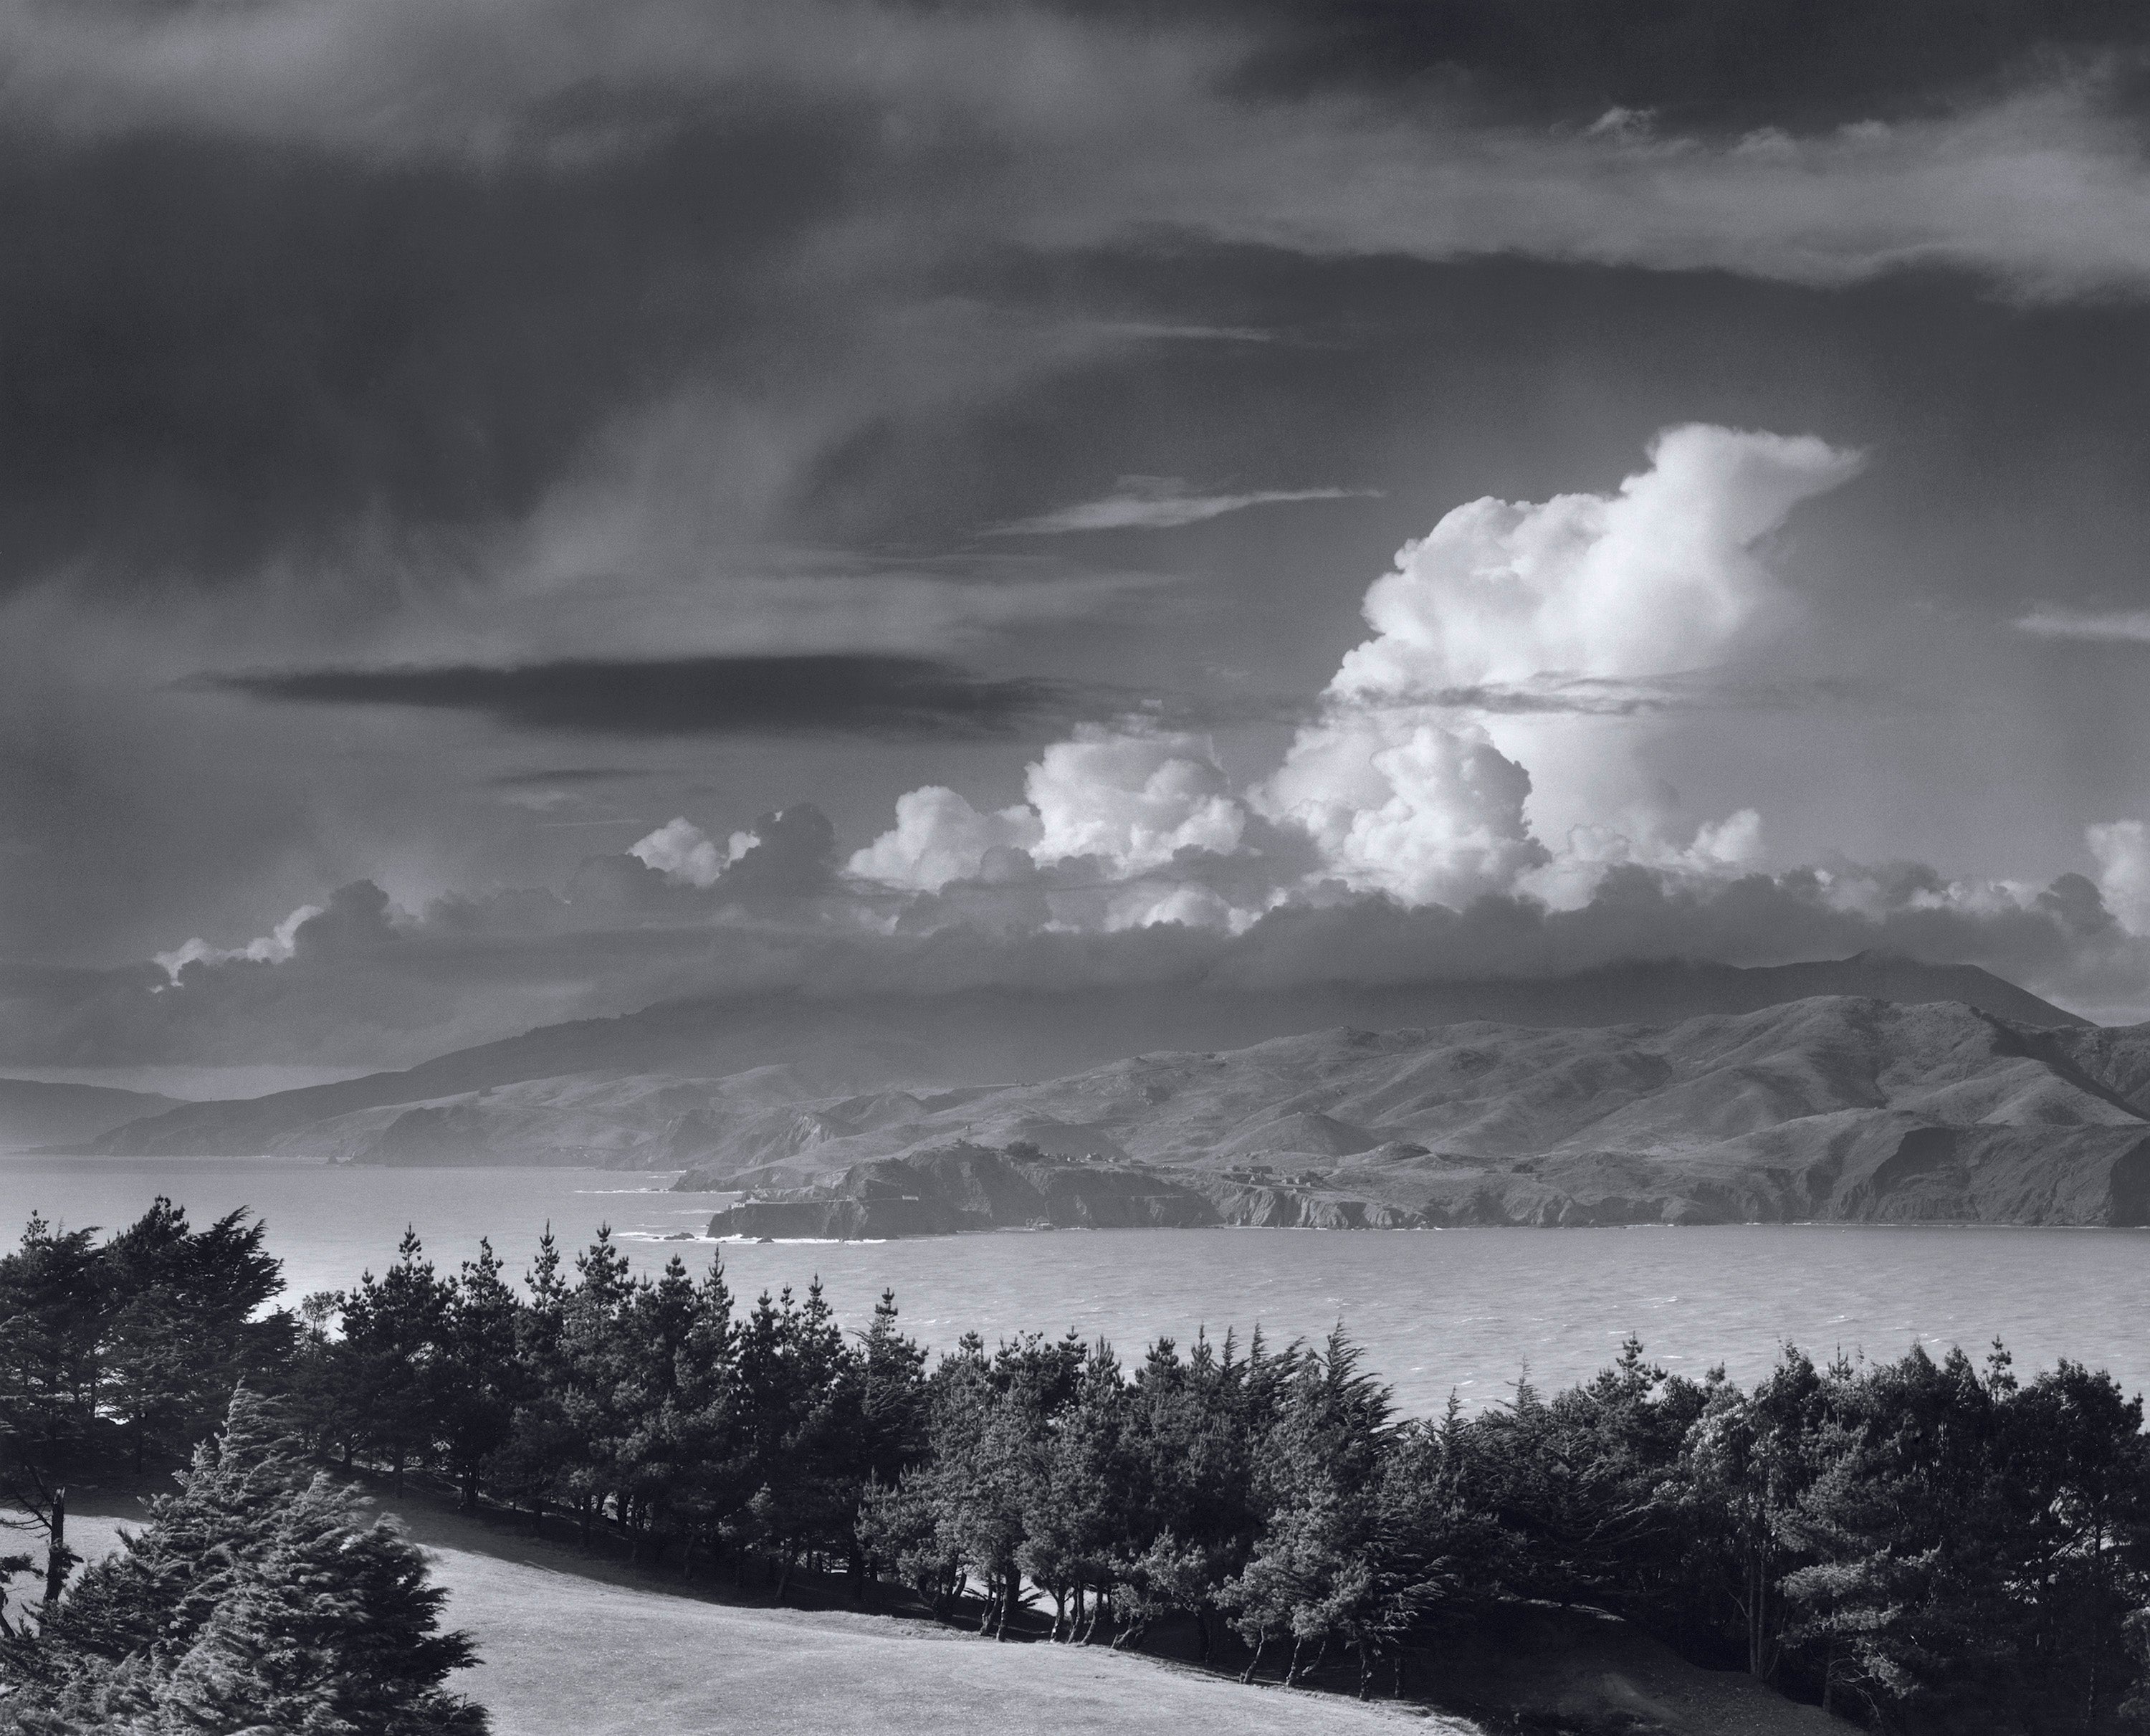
{"type": "Point", "coordinates": [1461, 1310]}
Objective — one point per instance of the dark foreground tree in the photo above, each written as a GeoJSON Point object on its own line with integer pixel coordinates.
{"type": "Point", "coordinates": [257, 1599]}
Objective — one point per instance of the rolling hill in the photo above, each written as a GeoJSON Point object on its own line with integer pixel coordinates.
{"type": "Point", "coordinates": [1837, 1108]}
{"type": "Point", "coordinates": [660, 1088]}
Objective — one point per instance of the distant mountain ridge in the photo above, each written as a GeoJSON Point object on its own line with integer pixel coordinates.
{"type": "Point", "coordinates": [627, 1090]}
{"type": "Point", "coordinates": [37, 1112]}
{"type": "Point", "coordinates": [1837, 1108]}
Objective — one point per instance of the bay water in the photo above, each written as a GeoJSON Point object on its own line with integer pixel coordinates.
{"type": "Point", "coordinates": [1461, 1310]}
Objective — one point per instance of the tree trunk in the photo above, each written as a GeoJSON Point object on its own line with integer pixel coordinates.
{"type": "Point", "coordinates": [470, 1487]}
{"type": "Point", "coordinates": [56, 1553]}
{"type": "Point", "coordinates": [1255, 1662]}
{"type": "Point", "coordinates": [1291, 1671]}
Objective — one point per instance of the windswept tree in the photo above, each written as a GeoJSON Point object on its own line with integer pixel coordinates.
{"type": "Point", "coordinates": [1315, 1576]}
{"type": "Point", "coordinates": [255, 1599]}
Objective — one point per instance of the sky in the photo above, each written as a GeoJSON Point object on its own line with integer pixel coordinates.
{"type": "Point", "coordinates": [514, 511]}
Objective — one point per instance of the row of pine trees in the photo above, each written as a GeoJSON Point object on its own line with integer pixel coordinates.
{"type": "Point", "coordinates": [1920, 1545]}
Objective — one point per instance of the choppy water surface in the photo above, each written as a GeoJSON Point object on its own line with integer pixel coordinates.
{"type": "Point", "coordinates": [1436, 1309]}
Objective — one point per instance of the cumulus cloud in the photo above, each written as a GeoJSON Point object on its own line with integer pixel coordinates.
{"type": "Point", "coordinates": [684, 854]}
{"type": "Point", "coordinates": [790, 853]}
{"type": "Point", "coordinates": [1407, 784]}
{"type": "Point", "coordinates": [2122, 851]}
{"type": "Point", "coordinates": [1394, 843]}
{"type": "Point", "coordinates": [1659, 579]}
{"type": "Point", "coordinates": [1129, 799]}
{"type": "Point", "coordinates": [480, 969]}
{"type": "Point", "coordinates": [1134, 798]}
{"type": "Point", "coordinates": [1407, 803]}
{"type": "Point", "coordinates": [939, 837]}
{"type": "Point", "coordinates": [1152, 503]}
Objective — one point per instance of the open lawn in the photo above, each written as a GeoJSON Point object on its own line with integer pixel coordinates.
{"type": "Point", "coordinates": [576, 1645]}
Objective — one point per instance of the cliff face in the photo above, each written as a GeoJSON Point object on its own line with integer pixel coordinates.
{"type": "Point", "coordinates": [1850, 1169]}
{"type": "Point", "coordinates": [969, 1187]}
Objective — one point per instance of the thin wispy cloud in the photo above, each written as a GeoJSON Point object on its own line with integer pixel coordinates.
{"type": "Point", "coordinates": [1162, 504]}
{"type": "Point", "coordinates": [2106, 626]}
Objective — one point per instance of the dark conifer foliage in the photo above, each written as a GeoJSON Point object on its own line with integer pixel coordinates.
{"type": "Point", "coordinates": [1924, 1546]}
{"type": "Point", "coordinates": [256, 1599]}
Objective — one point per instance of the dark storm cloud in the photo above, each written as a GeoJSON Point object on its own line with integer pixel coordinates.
{"type": "Point", "coordinates": [836, 694]}
{"type": "Point", "coordinates": [568, 774]}
{"type": "Point", "coordinates": [1701, 62]}
{"type": "Point", "coordinates": [219, 353]}
{"type": "Point", "coordinates": [359, 989]}
{"type": "Point", "coordinates": [281, 277]}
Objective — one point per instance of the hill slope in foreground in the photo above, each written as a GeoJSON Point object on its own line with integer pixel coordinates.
{"type": "Point", "coordinates": [573, 1643]}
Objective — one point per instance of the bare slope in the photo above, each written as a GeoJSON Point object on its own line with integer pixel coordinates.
{"type": "Point", "coordinates": [608, 1094]}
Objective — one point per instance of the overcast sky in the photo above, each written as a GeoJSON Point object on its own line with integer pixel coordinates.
{"type": "Point", "coordinates": [466, 469]}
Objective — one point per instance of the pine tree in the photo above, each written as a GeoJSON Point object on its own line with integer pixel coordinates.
{"type": "Point", "coordinates": [484, 1377]}
{"type": "Point", "coordinates": [394, 1358]}
{"type": "Point", "coordinates": [255, 1600]}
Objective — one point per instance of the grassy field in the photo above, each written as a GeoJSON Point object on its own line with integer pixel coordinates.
{"type": "Point", "coordinates": [578, 1646]}
{"type": "Point", "coordinates": [573, 1646]}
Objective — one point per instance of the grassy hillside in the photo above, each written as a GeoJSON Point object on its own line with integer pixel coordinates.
{"type": "Point", "coordinates": [577, 1647]}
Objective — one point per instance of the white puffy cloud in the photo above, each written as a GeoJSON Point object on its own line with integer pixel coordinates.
{"type": "Point", "coordinates": [1719, 847]}
{"type": "Point", "coordinates": [1401, 801]}
{"type": "Point", "coordinates": [1658, 577]}
{"type": "Point", "coordinates": [2122, 851]}
{"type": "Point", "coordinates": [789, 852]}
{"type": "Point", "coordinates": [1425, 775]}
{"type": "Point", "coordinates": [1144, 904]}
{"type": "Point", "coordinates": [271, 948]}
{"type": "Point", "coordinates": [1411, 793]}
{"type": "Point", "coordinates": [939, 837]}
{"type": "Point", "coordinates": [1130, 799]}
{"type": "Point", "coordinates": [684, 854]}
{"type": "Point", "coordinates": [1135, 799]}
